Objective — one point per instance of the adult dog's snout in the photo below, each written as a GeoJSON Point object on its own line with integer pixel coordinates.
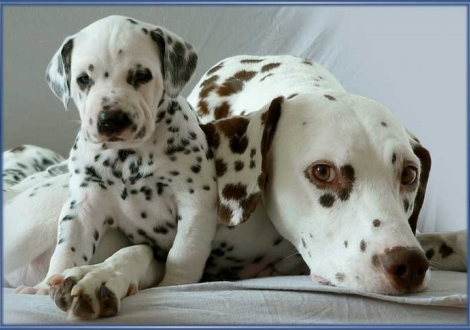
{"type": "Point", "coordinates": [113, 122]}
{"type": "Point", "coordinates": [405, 266]}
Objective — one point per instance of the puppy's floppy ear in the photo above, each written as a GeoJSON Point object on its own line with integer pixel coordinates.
{"type": "Point", "coordinates": [58, 71]}
{"type": "Point", "coordinates": [425, 160]}
{"type": "Point", "coordinates": [240, 146]}
{"type": "Point", "coordinates": [179, 60]}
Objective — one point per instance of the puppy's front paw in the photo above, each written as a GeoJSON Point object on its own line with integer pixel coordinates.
{"type": "Point", "coordinates": [39, 289]}
{"type": "Point", "coordinates": [89, 292]}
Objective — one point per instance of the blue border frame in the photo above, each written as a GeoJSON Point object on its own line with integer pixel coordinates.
{"type": "Point", "coordinates": [237, 3]}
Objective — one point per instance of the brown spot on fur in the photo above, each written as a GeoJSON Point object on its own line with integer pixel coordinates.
{"type": "Point", "coordinates": [363, 246]}
{"type": "Point", "coordinates": [308, 62]}
{"type": "Point", "coordinates": [303, 243]}
{"type": "Point", "coordinates": [209, 82]}
{"type": "Point", "coordinates": [327, 200]}
{"type": "Point", "coordinates": [244, 75]}
{"type": "Point", "coordinates": [220, 167]}
{"type": "Point", "coordinates": [224, 214]}
{"type": "Point", "coordinates": [262, 180]}
{"type": "Point", "coordinates": [230, 86]}
{"type": "Point", "coordinates": [269, 67]}
{"type": "Point", "coordinates": [234, 191]}
{"type": "Point", "coordinates": [263, 117]}
{"type": "Point", "coordinates": [234, 126]}
{"type": "Point", "coordinates": [251, 61]}
{"type": "Point", "coordinates": [445, 250]}
{"type": "Point", "coordinates": [384, 124]}
{"type": "Point", "coordinates": [425, 159]}
{"type": "Point", "coordinates": [215, 69]}
{"type": "Point", "coordinates": [235, 129]}
{"type": "Point", "coordinates": [249, 205]}
{"type": "Point", "coordinates": [222, 111]}
{"type": "Point", "coordinates": [345, 244]}
{"type": "Point", "coordinates": [203, 108]}
{"type": "Point", "coordinates": [340, 277]}
{"type": "Point", "coordinates": [18, 149]}
{"type": "Point", "coordinates": [266, 76]}
{"type": "Point", "coordinates": [430, 253]}
{"type": "Point", "coordinates": [329, 97]}
{"type": "Point", "coordinates": [271, 120]}
{"type": "Point", "coordinates": [348, 178]}
{"type": "Point", "coordinates": [292, 96]}
{"type": "Point", "coordinates": [376, 223]}
{"type": "Point", "coordinates": [207, 86]}
{"type": "Point", "coordinates": [394, 158]}
{"type": "Point", "coordinates": [212, 136]}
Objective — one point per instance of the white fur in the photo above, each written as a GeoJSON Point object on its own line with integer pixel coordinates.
{"type": "Point", "coordinates": [311, 128]}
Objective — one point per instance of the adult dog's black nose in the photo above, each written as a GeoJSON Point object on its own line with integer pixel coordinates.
{"type": "Point", "coordinates": [113, 122]}
{"type": "Point", "coordinates": [405, 266]}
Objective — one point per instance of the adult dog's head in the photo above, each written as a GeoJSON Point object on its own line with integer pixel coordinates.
{"type": "Point", "coordinates": [117, 70]}
{"type": "Point", "coordinates": [341, 179]}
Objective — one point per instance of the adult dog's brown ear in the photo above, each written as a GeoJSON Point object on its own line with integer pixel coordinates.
{"type": "Point", "coordinates": [425, 160]}
{"type": "Point", "coordinates": [240, 146]}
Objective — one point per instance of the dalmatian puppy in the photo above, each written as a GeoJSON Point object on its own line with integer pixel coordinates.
{"type": "Point", "coordinates": [310, 180]}
{"type": "Point", "coordinates": [140, 161]}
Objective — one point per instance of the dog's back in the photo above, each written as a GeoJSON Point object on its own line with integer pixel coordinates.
{"type": "Point", "coordinates": [224, 90]}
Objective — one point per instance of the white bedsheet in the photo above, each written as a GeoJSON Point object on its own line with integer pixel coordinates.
{"type": "Point", "coordinates": [279, 300]}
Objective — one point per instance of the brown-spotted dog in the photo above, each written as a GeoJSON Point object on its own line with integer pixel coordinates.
{"type": "Point", "coordinates": [310, 180]}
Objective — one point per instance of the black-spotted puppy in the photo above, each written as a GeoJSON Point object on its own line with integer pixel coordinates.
{"type": "Point", "coordinates": [140, 162]}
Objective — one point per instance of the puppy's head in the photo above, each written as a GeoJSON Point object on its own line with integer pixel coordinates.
{"type": "Point", "coordinates": [118, 70]}
{"type": "Point", "coordinates": [343, 181]}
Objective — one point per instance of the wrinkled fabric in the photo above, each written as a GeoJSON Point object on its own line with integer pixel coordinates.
{"type": "Point", "coordinates": [276, 300]}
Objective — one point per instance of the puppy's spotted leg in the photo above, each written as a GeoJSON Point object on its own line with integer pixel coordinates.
{"type": "Point", "coordinates": [82, 223]}
{"type": "Point", "coordinates": [192, 245]}
{"type": "Point", "coordinates": [93, 291]}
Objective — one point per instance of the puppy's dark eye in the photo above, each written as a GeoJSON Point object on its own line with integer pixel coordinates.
{"type": "Point", "coordinates": [84, 79]}
{"type": "Point", "coordinates": [324, 173]}
{"type": "Point", "coordinates": [143, 75]}
{"type": "Point", "coordinates": [409, 175]}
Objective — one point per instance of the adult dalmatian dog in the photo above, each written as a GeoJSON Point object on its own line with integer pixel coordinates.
{"type": "Point", "coordinates": [310, 179]}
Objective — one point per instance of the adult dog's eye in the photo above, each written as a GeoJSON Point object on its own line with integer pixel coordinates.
{"type": "Point", "coordinates": [324, 173]}
{"type": "Point", "coordinates": [409, 175]}
{"type": "Point", "coordinates": [84, 79]}
{"type": "Point", "coordinates": [143, 75]}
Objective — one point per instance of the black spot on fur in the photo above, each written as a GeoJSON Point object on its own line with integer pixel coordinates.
{"type": "Point", "coordinates": [160, 230]}
{"type": "Point", "coordinates": [196, 168]}
{"type": "Point", "coordinates": [363, 246]}
{"type": "Point", "coordinates": [124, 194]}
{"type": "Point", "coordinates": [445, 250]}
{"type": "Point", "coordinates": [430, 253]}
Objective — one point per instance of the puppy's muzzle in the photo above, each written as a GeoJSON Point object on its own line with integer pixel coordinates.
{"type": "Point", "coordinates": [113, 122]}
{"type": "Point", "coordinates": [406, 267]}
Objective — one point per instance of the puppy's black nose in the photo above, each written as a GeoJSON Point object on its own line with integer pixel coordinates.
{"type": "Point", "coordinates": [113, 122]}
{"type": "Point", "coordinates": [405, 266]}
